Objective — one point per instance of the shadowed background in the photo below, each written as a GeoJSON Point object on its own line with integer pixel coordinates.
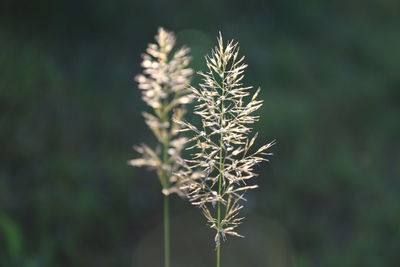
{"type": "Point", "coordinates": [70, 113]}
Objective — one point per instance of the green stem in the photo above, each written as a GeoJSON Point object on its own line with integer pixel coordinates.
{"type": "Point", "coordinates": [219, 203]}
{"type": "Point", "coordinates": [167, 262]}
{"type": "Point", "coordinates": [218, 256]}
{"type": "Point", "coordinates": [220, 177]}
{"type": "Point", "coordinates": [165, 159]}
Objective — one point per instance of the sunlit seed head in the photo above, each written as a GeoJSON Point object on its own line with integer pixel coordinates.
{"type": "Point", "coordinates": [164, 85]}
{"type": "Point", "coordinates": [222, 152]}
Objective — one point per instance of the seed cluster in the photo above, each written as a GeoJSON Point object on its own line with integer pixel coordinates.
{"type": "Point", "coordinates": [215, 177]}
{"type": "Point", "coordinates": [164, 85]}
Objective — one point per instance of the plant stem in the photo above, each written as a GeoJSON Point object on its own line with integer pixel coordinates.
{"type": "Point", "coordinates": [166, 232]}
{"type": "Point", "coordinates": [167, 251]}
{"type": "Point", "coordinates": [219, 203]}
{"type": "Point", "coordinates": [218, 256]}
{"type": "Point", "coordinates": [165, 179]}
{"type": "Point", "coordinates": [220, 177]}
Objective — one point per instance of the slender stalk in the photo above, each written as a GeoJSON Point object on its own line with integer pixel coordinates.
{"type": "Point", "coordinates": [167, 251]}
{"type": "Point", "coordinates": [167, 261]}
{"type": "Point", "coordinates": [165, 159]}
{"type": "Point", "coordinates": [225, 109]}
{"type": "Point", "coordinates": [218, 263]}
{"type": "Point", "coordinates": [218, 256]}
{"type": "Point", "coordinates": [220, 177]}
{"type": "Point", "coordinates": [167, 98]}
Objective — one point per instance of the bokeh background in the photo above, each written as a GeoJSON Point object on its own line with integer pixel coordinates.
{"type": "Point", "coordinates": [70, 113]}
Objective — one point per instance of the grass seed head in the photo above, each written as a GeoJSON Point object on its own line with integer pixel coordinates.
{"type": "Point", "coordinates": [164, 84]}
{"type": "Point", "coordinates": [223, 157]}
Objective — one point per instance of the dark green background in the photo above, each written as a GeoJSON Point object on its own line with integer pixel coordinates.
{"type": "Point", "coordinates": [70, 112]}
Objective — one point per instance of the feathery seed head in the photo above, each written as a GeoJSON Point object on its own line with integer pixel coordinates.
{"type": "Point", "coordinates": [165, 88]}
{"type": "Point", "coordinates": [223, 160]}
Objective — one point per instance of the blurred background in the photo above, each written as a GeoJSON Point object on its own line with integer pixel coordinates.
{"type": "Point", "coordinates": [70, 113]}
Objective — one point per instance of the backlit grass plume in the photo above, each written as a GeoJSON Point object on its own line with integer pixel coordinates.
{"type": "Point", "coordinates": [223, 155]}
{"type": "Point", "coordinates": [164, 85]}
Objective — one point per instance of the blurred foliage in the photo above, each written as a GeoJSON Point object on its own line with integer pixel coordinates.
{"type": "Point", "coordinates": [70, 112]}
